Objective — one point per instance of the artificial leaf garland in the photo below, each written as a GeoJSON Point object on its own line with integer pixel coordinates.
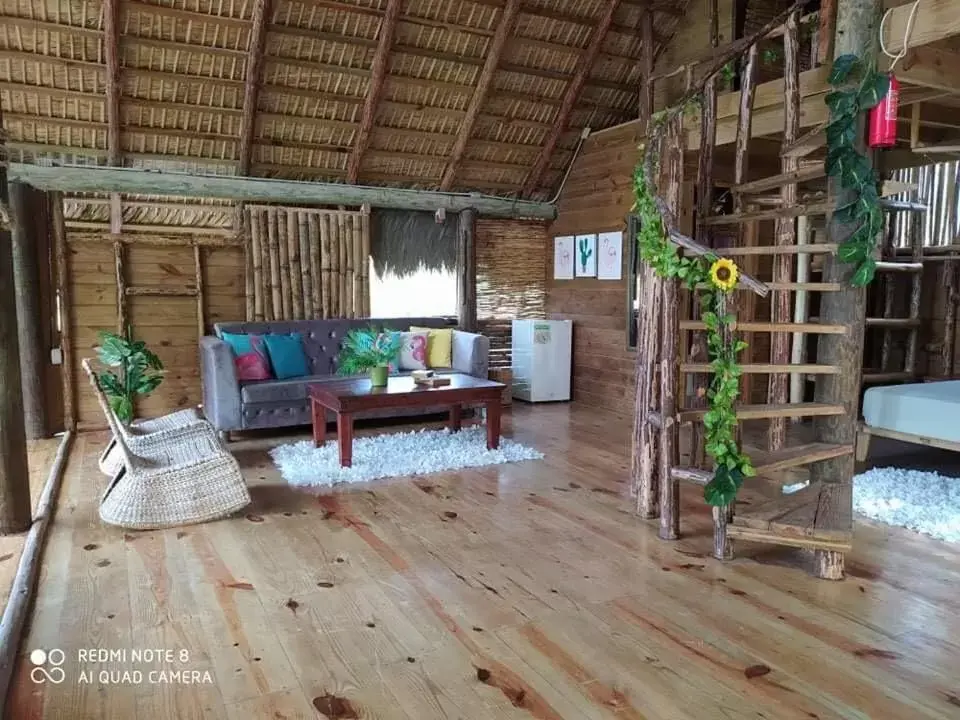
{"type": "Point", "coordinates": [857, 88]}
{"type": "Point", "coordinates": [713, 278]}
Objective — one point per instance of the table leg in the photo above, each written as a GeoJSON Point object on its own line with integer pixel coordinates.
{"type": "Point", "coordinates": [455, 418]}
{"type": "Point", "coordinates": [319, 424]}
{"type": "Point", "coordinates": [345, 438]}
{"type": "Point", "coordinates": [493, 424]}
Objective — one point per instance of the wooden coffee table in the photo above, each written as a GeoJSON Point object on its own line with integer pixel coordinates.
{"type": "Point", "coordinates": [346, 397]}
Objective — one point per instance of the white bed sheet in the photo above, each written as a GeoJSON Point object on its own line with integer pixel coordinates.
{"type": "Point", "coordinates": [929, 409]}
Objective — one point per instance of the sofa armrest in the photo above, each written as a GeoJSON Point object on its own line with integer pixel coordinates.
{"type": "Point", "coordinates": [471, 353]}
{"type": "Point", "coordinates": [221, 389]}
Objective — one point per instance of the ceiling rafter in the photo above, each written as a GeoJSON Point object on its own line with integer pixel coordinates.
{"type": "Point", "coordinates": [251, 89]}
{"type": "Point", "coordinates": [504, 28]}
{"type": "Point", "coordinates": [569, 100]}
{"type": "Point", "coordinates": [378, 74]}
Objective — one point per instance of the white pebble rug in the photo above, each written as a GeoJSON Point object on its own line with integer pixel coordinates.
{"type": "Point", "coordinates": [923, 501]}
{"type": "Point", "coordinates": [418, 452]}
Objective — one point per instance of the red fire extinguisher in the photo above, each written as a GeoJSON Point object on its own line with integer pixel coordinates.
{"type": "Point", "coordinates": [883, 117]}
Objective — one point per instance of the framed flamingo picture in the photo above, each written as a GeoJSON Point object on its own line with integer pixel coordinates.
{"type": "Point", "coordinates": [610, 255]}
{"type": "Point", "coordinates": [563, 257]}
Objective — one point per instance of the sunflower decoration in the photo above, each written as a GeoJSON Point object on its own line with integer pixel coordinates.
{"type": "Point", "coordinates": [724, 274]}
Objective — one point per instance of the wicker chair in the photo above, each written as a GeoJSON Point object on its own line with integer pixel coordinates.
{"type": "Point", "coordinates": [177, 477]}
{"type": "Point", "coordinates": [142, 433]}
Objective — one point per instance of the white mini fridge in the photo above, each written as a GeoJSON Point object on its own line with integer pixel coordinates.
{"type": "Point", "coordinates": [542, 352]}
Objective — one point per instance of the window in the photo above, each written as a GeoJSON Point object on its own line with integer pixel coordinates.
{"type": "Point", "coordinates": [634, 279]}
{"type": "Point", "coordinates": [425, 293]}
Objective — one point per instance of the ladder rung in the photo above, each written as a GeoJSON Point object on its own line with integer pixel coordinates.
{"type": "Point", "coordinates": [904, 267]}
{"type": "Point", "coordinates": [767, 369]}
{"type": "Point", "coordinates": [694, 475]}
{"type": "Point", "coordinates": [158, 290]}
{"type": "Point", "coordinates": [883, 377]}
{"type": "Point", "coordinates": [811, 328]}
{"type": "Point", "coordinates": [759, 412]}
{"type": "Point", "coordinates": [807, 143]}
{"type": "Point", "coordinates": [792, 286]}
{"type": "Point", "coordinates": [901, 206]}
{"type": "Point", "coordinates": [893, 322]}
{"type": "Point", "coordinates": [790, 211]}
{"type": "Point", "coordinates": [781, 250]}
{"type": "Point", "coordinates": [794, 176]}
{"type": "Point", "coordinates": [798, 456]}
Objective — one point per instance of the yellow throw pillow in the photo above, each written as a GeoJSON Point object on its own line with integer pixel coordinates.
{"type": "Point", "coordinates": [439, 346]}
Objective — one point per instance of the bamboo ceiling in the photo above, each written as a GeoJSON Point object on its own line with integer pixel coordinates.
{"type": "Point", "coordinates": [183, 75]}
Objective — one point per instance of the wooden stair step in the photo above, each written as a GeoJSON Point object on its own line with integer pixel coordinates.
{"type": "Point", "coordinates": [901, 206]}
{"type": "Point", "coordinates": [807, 249]}
{"type": "Point", "coordinates": [819, 516]}
{"type": "Point", "coordinates": [806, 143]}
{"type": "Point", "coordinates": [768, 369]}
{"type": "Point", "coordinates": [811, 328]}
{"type": "Point", "coordinates": [904, 267]}
{"type": "Point", "coordinates": [792, 286]}
{"type": "Point", "coordinates": [761, 412]}
{"type": "Point", "coordinates": [893, 322]}
{"type": "Point", "coordinates": [797, 456]}
{"type": "Point", "coordinates": [774, 181]}
{"type": "Point", "coordinates": [882, 377]}
{"type": "Point", "coordinates": [788, 211]}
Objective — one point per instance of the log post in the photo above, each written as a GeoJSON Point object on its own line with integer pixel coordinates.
{"type": "Point", "coordinates": [326, 266]}
{"type": "Point", "coordinates": [59, 230]}
{"type": "Point", "coordinates": [15, 510]}
{"type": "Point", "coordinates": [916, 249]}
{"type": "Point", "coordinates": [256, 253]}
{"type": "Point", "coordinates": [949, 318]}
{"type": "Point", "coordinates": [467, 271]}
{"type": "Point", "coordinates": [286, 296]}
{"type": "Point", "coordinates": [26, 276]}
{"type": "Point", "coordinates": [293, 253]}
{"type": "Point", "coordinates": [276, 297]}
{"type": "Point", "coordinates": [340, 250]}
{"type": "Point", "coordinates": [857, 25]}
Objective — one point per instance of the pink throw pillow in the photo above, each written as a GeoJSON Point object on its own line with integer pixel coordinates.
{"type": "Point", "coordinates": [253, 365]}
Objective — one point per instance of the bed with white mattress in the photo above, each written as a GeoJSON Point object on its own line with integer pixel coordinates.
{"type": "Point", "coordinates": [922, 413]}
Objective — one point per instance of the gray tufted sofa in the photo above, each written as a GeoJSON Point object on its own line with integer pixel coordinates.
{"type": "Point", "coordinates": [233, 405]}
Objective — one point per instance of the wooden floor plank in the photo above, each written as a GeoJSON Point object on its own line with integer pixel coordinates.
{"type": "Point", "coordinates": [513, 592]}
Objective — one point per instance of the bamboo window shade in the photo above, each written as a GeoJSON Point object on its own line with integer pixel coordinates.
{"type": "Point", "coordinates": [511, 280]}
{"type": "Point", "coordinates": [306, 263]}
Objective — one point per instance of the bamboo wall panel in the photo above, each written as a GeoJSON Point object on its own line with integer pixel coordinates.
{"type": "Point", "coordinates": [511, 280]}
{"type": "Point", "coordinates": [308, 263]}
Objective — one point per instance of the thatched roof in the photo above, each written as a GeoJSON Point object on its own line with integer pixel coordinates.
{"type": "Point", "coordinates": [183, 81]}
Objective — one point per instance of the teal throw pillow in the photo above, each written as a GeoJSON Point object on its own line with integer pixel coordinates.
{"type": "Point", "coordinates": [286, 355]}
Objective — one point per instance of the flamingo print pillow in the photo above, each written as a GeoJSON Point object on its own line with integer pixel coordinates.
{"type": "Point", "coordinates": [413, 351]}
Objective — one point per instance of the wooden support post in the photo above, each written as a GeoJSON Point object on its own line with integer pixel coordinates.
{"type": "Point", "coordinates": [251, 88]}
{"type": "Point", "coordinates": [121, 281]}
{"type": "Point", "coordinates": [467, 271]}
{"type": "Point", "coordinates": [326, 266]}
{"type": "Point", "coordinates": [283, 253]}
{"type": "Point", "coordinates": [306, 276]}
{"type": "Point", "coordinates": [916, 246]}
{"type": "Point", "coordinates": [61, 253]}
{"type": "Point", "coordinates": [780, 309]}
{"type": "Point", "coordinates": [198, 279]}
{"type": "Point", "coordinates": [951, 291]}
{"type": "Point", "coordinates": [341, 252]}
{"type": "Point", "coordinates": [505, 23]}
{"type": "Point", "coordinates": [570, 96]}
{"type": "Point", "coordinates": [15, 510]}
{"type": "Point", "coordinates": [672, 178]}
{"type": "Point", "coordinates": [256, 252]}
{"type": "Point", "coordinates": [26, 276]}
{"type": "Point", "coordinates": [378, 73]}
{"type": "Point", "coordinates": [242, 223]}
{"type": "Point", "coordinates": [826, 30]}
{"type": "Point", "coordinates": [293, 253]}
{"type": "Point", "coordinates": [857, 26]}
{"type": "Point", "coordinates": [276, 296]}
{"type": "Point", "coordinates": [111, 53]}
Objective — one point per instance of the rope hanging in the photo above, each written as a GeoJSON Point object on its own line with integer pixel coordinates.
{"type": "Point", "coordinates": [894, 59]}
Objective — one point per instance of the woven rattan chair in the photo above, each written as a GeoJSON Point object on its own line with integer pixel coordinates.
{"type": "Point", "coordinates": [176, 478]}
{"type": "Point", "coordinates": [142, 433]}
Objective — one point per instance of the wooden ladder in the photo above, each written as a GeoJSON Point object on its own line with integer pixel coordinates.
{"type": "Point", "coordinates": [892, 269]}
{"type": "Point", "coordinates": [817, 516]}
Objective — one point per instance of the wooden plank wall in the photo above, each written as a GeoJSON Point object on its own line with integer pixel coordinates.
{"type": "Point", "coordinates": [167, 324]}
{"type": "Point", "coordinates": [597, 197]}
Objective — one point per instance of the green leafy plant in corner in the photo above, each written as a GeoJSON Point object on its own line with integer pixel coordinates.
{"type": "Point", "coordinates": [136, 371]}
{"type": "Point", "coordinates": [366, 348]}
{"type": "Point", "coordinates": [712, 277]}
{"type": "Point", "coordinates": [857, 88]}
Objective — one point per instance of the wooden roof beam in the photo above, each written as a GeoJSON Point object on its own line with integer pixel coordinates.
{"type": "Point", "coordinates": [111, 53]}
{"type": "Point", "coordinates": [378, 74]}
{"type": "Point", "coordinates": [494, 51]}
{"type": "Point", "coordinates": [569, 99]}
{"type": "Point", "coordinates": [84, 179]}
{"type": "Point", "coordinates": [251, 89]}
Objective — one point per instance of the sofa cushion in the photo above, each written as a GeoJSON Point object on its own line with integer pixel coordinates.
{"type": "Point", "coordinates": [287, 356]}
{"type": "Point", "coordinates": [249, 356]}
{"type": "Point", "coordinates": [439, 346]}
{"type": "Point", "coordinates": [289, 390]}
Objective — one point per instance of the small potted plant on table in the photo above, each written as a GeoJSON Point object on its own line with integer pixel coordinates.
{"type": "Point", "coordinates": [370, 351]}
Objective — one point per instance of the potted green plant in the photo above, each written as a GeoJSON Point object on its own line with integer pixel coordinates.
{"type": "Point", "coordinates": [368, 350]}
{"type": "Point", "coordinates": [137, 371]}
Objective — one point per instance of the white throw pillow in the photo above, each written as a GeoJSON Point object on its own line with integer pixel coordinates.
{"type": "Point", "coordinates": [413, 351]}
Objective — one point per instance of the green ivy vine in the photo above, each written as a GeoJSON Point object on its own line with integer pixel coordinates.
{"type": "Point", "coordinates": [857, 88]}
{"type": "Point", "coordinates": [712, 278]}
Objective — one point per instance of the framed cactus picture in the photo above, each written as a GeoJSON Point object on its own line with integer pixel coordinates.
{"type": "Point", "coordinates": [585, 255]}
